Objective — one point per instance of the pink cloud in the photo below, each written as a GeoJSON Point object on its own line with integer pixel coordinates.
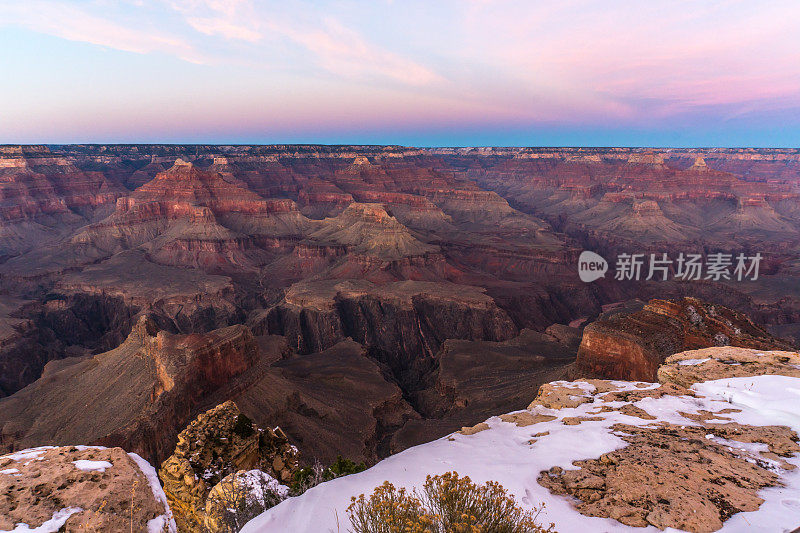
{"type": "Point", "coordinates": [344, 51]}
{"type": "Point", "coordinates": [75, 24]}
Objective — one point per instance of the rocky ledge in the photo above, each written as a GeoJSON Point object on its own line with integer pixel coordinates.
{"type": "Point", "coordinates": [81, 488]}
{"type": "Point", "coordinates": [713, 445]}
{"type": "Point", "coordinates": [633, 346]}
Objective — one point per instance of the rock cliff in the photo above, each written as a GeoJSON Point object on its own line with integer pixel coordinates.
{"type": "Point", "coordinates": [141, 392]}
{"type": "Point", "coordinates": [633, 346]}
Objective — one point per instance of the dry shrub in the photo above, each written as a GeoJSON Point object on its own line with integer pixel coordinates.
{"type": "Point", "coordinates": [388, 510]}
{"type": "Point", "coordinates": [446, 504]}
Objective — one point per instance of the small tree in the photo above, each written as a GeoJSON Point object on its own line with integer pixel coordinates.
{"type": "Point", "coordinates": [239, 498]}
{"type": "Point", "coordinates": [311, 476]}
{"type": "Point", "coordinates": [308, 477]}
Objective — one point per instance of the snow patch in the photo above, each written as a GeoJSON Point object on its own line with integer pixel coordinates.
{"type": "Point", "coordinates": [50, 526]}
{"type": "Point", "coordinates": [83, 447]}
{"type": "Point", "coordinates": [693, 362]}
{"type": "Point", "coordinates": [92, 466]}
{"type": "Point", "coordinates": [156, 525]}
{"type": "Point", "coordinates": [258, 483]}
{"type": "Point", "coordinates": [29, 454]}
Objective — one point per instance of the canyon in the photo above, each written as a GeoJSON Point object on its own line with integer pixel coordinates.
{"type": "Point", "coordinates": [422, 288]}
{"type": "Point", "coordinates": [358, 301]}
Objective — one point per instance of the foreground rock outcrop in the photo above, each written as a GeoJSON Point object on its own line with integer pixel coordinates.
{"type": "Point", "coordinates": [720, 455]}
{"type": "Point", "coordinates": [80, 488]}
{"type": "Point", "coordinates": [696, 366]}
{"type": "Point", "coordinates": [217, 444]}
{"type": "Point", "coordinates": [688, 476]}
{"type": "Point", "coordinates": [658, 480]}
{"type": "Point", "coordinates": [632, 346]}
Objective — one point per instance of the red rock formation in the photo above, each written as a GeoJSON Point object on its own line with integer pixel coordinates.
{"type": "Point", "coordinates": [369, 229]}
{"type": "Point", "coordinates": [431, 246]}
{"type": "Point", "coordinates": [415, 317]}
{"type": "Point", "coordinates": [336, 402]}
{"type": "Point", "coordinates": [632, 346]}
{"type": "Point", "coordinates": [42, 197]}
{"type": "Point", "coordinates": [142, 392]}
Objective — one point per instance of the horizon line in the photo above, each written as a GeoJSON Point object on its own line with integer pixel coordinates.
{"type": "Point", "coordinates": [419, 147]}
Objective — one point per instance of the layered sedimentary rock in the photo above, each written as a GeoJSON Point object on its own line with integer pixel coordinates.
{"type": "Point", "coordinates": [92, 311]}
{"type": "Point", "coordinates": [184, 300]}
{"type": "Point", "coordinates": [186, 216]}
{"type": "Point", "coordinates": [473, 378]}
{"type": "Point", "coordinates": [141, 392]}
{"type": "Point", "coordinates": [413, 319]}
{"type": "Point", "coordinates": [369, 229]}
{"type": "Point", "coordinates": [336, 402]}
{"type": "Point", "coordinates": [633, 346]}
{"type": "Point", "coordinates": [474, 216]}
{"type": "Point", "coordinates": [643, 196]}
{"type": "Point", "coordinates": [61, 326]}
{"type": "Point", "coordinates": [144, 392]}
{"type": "Point", "coordinates": [428, 258]}
{"type": "Point", "coordinates": [18, 353]}
{"type": "Point", "coordinates": [44, 194]}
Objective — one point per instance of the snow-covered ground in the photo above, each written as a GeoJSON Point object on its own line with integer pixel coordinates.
{"type": "Point", "coordinates": [503, 453]}
{"type": "Point", "coordinates": [157, 524]}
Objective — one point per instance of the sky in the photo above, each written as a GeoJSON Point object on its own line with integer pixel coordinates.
{"type": "Point", "coordinates": [410, 72]}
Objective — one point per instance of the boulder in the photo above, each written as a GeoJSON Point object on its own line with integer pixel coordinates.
{"type": "Point", "coordinates": [220, 442]}
{"type": "Point", "coordinates": [81, 488]}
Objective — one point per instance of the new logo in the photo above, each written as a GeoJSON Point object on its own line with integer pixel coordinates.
{"type": "Point", "coordinates": [591, 266]}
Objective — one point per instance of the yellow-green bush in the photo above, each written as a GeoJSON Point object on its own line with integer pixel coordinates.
{"type": "Point", "coordinates": [388, 510]}
{"type": "Point", "coordinates": [447, 504]}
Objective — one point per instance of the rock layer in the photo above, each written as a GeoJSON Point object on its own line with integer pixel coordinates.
{"type": "Point", "coordinates": [633, 346]}
{"type": "Point", "coordinates": [142, 391]}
